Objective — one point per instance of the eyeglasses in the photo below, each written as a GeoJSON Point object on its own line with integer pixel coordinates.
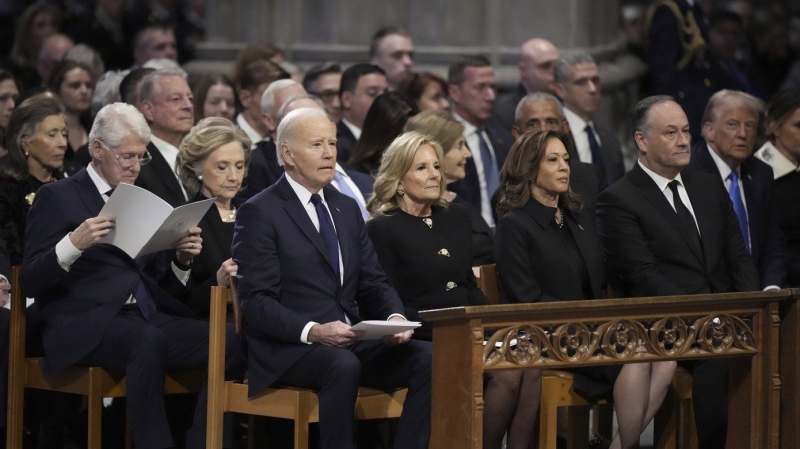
{"type": "Point", "coordinates": [129, 160]}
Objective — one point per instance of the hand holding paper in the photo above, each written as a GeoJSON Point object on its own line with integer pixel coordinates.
{"type": "Point", "coordinates": [398, 330]}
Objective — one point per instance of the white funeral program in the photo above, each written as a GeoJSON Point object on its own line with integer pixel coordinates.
{"type": "Point", "coordinates": [145, 222]}
{"type": "Point", "coordinates": [374, 329]}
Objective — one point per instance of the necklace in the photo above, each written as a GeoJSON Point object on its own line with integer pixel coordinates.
{"type": "Point", "coordinates": [560, 218]}
{"type": "Point", "coordinates": [231, 217]}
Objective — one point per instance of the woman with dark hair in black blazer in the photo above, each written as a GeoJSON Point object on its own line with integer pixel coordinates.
{"type": "Point", "coordinates": [547, 249]}
{"type": "Point", "coordinates": [212, 162]}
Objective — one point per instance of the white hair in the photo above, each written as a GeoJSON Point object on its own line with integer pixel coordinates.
{"type": "Point", "coordinates": [107, 89]}
{"type": "Point", "coordinates": [150, 87]}
{"type": "Point", "coordinates": [115, 122]}
{"type": "Point", "coordinates": [161, 64]}
{"type": "Point", "coordinates": [537, 97]}
{"type": "Point", "coordinates": [268, 98]}
{"type": "Point", "coordinates": [288, 127]}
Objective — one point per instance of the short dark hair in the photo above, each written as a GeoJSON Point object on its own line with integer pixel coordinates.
{"type": "Point", "coordinates": [354, 73]}
{"type": "Point", "coordinates": [261, 72]}
{"type": "Point", "coordinates": [415, 85]}
{"type": "Point", "coordinates": [383, 32]}
{"type": "Point", "coordinates": [781, 106]}
{"type": "Point", "coordinates": [317, 71]}
{"type": "Point", "coordinates": [455, 73]}
{"type": "Point", "coordinates": [385, 120]}
{"type": "Point", "coordinates": [129, 87]}
{"type": "Point", "coordinates": [200, 87]}
{"type": "Point", "coordinates": [640, 114]}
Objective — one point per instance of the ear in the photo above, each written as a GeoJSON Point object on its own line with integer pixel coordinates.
{"type": "Point", "coordinates": [515, 131]}
{"type": "Point", "coordinates": [559, 90]}
{"type": "Point", "coordinates": [454, 92]}
{"type": "Point", "coordinates": [269, 123]}
{"type": "Point", "coordinates": [244, 97]}
{"type": "Point", "coordinates": [641, 142]}
{"type": "Point", "coordinates": [146, 107]}
{"type": "Point", "coordinates": [287, 155]}
{"type": "Point", "coordinates": [96, 149]}
{"type": "Point", "coordinates": [565, 127]}
{"type": "Point", "coordinates": [708, 132]}
{"type": "Point", "coordinates": [346, 99]}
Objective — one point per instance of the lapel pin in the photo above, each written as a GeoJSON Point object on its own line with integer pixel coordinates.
{"type": "Point", "coordinates": [581, 227]}
{"type": "Point", "coordinates": [444, 252]}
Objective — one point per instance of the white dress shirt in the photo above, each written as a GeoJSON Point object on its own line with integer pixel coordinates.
{"type": "Point", "coordinates": [346, 178]}
{"type": "Point", "coordinates": [577, 127]}
{"type": "Point", "coordinates": [663, 184]}
{"type": "Point", "coordinates": [353, 129]}
{"type": "Point", "coordinates": [471, 135]}
{"type": "Point", "coordinates": [251, 132]}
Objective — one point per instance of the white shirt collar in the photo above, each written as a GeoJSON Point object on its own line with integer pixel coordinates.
{"type": "Point", "coordinates": [303, 193]}
{"type": "Point", "coordinates": [576, 123]}
{"type": "Point", "coordinates": [722, 167]}
{"type": "Point", "coordinates": [469, 128]}
{"type": "Point", "coordinates": [251, 132]}
{"type": "Point", "coordinates": [781, 165]}
{"type": "Point", "coordinates": [99, 182]}
{"type": "Point", "coordinates": [660, 181]}
{"type": "Point", "coordinates": [353, 128]}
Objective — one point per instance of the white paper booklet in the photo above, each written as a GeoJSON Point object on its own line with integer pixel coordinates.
{"type": "Point", "coordinates": [374, 329]}
{"type": "Point", "coordinates": [145, 222]}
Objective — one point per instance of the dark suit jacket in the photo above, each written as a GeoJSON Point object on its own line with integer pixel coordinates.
{"type": "Point", "coordinates": [78, 304]}
{"type": "Point", "coordinates": [159, 178]}
{"type": "Point", "coordinates": [345, 143]}
{"type": "Point", "coordinates": [532, 262]}
{"type": "Point", "coordinates": [469, 187]}
{"type": "Point", "coordinates": [613, 166]}
{"type": "Point", "coordinates": [767, 244]}
{"type": "Point", "coordinates": [506, 105]}
{"type": "Point", "coordinates": [286, 278]}
{"type": "Point", "coordinates": [363, 181]}
{"type": "Point", "coordinates": [263, 171]}
{"type": "Point", "coordinates": [647, 250]}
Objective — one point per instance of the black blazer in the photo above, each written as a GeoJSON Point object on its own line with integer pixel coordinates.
{"type": "Point", "coordinates": [217, 237]}
{"type": "Point", "coordinates": [263, 171]}
{"type": "Point", "coordinates": [647, 250]}
{"type": "Point", "coordinates": [78, 304]}
{"type": "Point", "coordinates": [532, 262]}
{"type": "Point", "coordinates": [469, 187]}
{"type": "Point", "coordinates": [286, 278]}
{"type": "Point", "coordinates": [159, 178]}
{"type": "Point", "coordinates": [613, 166]}
{"type": "Point", "coordinates": [345, 143]}
{"type": "Point", "coordinates": [363, 181]}
{"type": "Point", "coordinates": [767, 244]}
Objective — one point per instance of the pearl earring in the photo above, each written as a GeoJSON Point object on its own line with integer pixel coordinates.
{"type": "Point", "coordinates": [401, 191]}
{"type": "Point", "coordinates": [199, 177]}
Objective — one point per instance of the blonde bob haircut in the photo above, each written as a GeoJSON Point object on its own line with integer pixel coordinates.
{"type": "Point", "coordinates": [209, 134]}
{"type": "Point", "coordinates": [395, 163]}
{"type": "Point", "coordinates": [440, 125]}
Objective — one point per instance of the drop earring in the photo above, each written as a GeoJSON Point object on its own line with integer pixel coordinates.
{"type": "Point", "coordinates": [401, 191]}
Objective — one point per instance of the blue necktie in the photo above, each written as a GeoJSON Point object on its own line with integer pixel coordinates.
{"type": "Point", "coordinates": [594, 146]}
{"type": "Point", "coordinates": [490, 170]}
{"type": "Point", "coordinates": [738, 207]}
{"type": "Point", "coordinates": [344, 188]}
{"type": "Point", "coordinates": [327, 232]}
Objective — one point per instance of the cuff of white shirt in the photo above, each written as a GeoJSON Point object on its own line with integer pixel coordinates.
{"type": "Point", "coordinates": [771, 287]}
{"type": "Point", "coordinates": [306, 330]}
{"type": "Point", "coordinates": [67, 253]}
{"type": "Point", "coordinates": [183, 276]}
{"type": "Point", "coordinates": [394, 315]}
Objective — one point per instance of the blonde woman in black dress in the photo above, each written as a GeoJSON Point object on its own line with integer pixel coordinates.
{"type": "Point", "coordinates": [424, 245]}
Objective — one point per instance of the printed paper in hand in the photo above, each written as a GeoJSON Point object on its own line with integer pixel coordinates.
{"type": "Point", "coordinates": [374, 329]}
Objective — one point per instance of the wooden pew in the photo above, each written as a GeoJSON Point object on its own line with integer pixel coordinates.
{"type": "Point", "coordinates": [741, 326]}
{"type": "Point", "coordinates": [790, 371]}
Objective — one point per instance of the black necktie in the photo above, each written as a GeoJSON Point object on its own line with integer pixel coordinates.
{"type": "Point", "coordinates": [684, 215]}
{"type": "Point", "coordinates": [327, 232]}
{"type": "Point", "coordinates": [594, 146]}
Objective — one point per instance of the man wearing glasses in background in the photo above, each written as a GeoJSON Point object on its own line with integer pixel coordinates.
{"type": "Point", "coordinates": [103, 308]}
{"type": "Point", "coordinates": [323, 81]}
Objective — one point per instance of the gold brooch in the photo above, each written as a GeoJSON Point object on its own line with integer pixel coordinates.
{"type": "Point", "coordinates": [29, 198]}
{"type": "Point", "coordinates": [428, 222]}
{"type": "Point", "coordinates": [450, 285]}
{"type": "Point", "coordinates": [444, 252]}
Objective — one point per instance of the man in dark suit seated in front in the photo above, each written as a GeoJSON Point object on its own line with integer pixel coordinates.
{"type": "Point", "coordinates": [730, 127]}
{"type": "Point", "coordinates": [307, 272]}
{"type": "Point", "coordinates": [100, 306]}
{"type": "Point", "coordinates": [666, 231]}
